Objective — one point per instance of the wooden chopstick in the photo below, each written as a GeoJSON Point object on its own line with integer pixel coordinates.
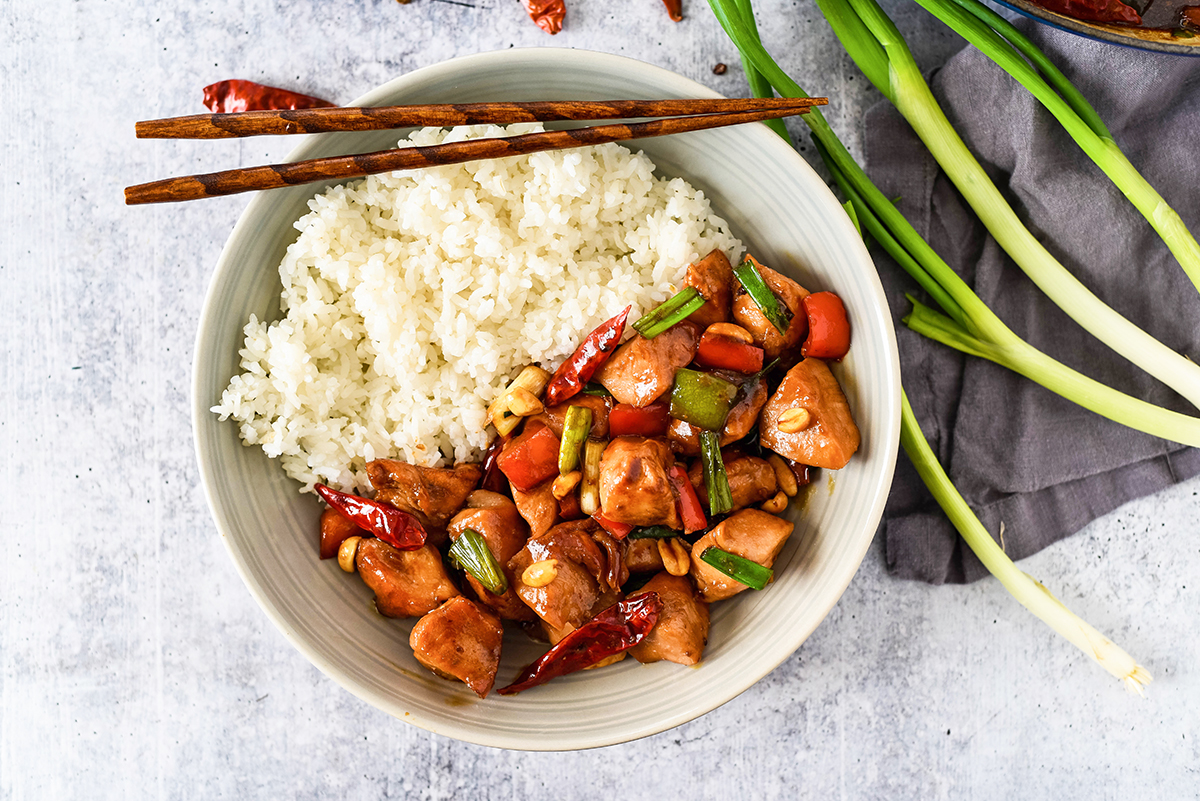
{"type": "Point", "coordinates": [275, 176]}
{"type": "Point", "coordinates": [326, 120]}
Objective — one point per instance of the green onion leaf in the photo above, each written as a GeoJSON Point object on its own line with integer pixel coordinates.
{"type": "Point", "coordinates": [673, 311]}
{"type": "Point", "coordinates": [702, 399]}
{"type": "Point", "coordinates": [720, 498]}
{"type": "Point", "coordinates": [653, 533]}
{"type": "Point", "coordinates": [576, 426]}
{"type": "Point", "coordinates": [761, 294]}
{"type": "Point", "coordinates": [592, 388]}
{"type": "Point", "coordinates": [470, 552]}
{"type": "Point", "coordinates": [738, 568]}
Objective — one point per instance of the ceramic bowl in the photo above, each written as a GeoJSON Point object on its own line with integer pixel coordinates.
{"type": "Point", "coordinates": [1154, 39]}
{"type": "Point", "coordinates": [790, 220]}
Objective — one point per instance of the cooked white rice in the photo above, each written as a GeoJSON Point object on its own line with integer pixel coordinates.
{"type": "Point", "coordinates": [411, 299]}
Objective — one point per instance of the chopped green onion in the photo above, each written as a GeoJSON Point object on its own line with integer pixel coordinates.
{"type": "Point", "coordinates": [470, 552]}
{"type": "Point", "coordinates": [653, 532]}
{"type": "Point", "coordinates": [751, 279]}
{"type": "Point", "coordinates": [589, 487]}
{"type": "Point", "coordinates": [738, 568]}
{"type": "Point", "coordinates": [592, 388]}
{"type": "Point", "coordinates": [576, 426]}
{"type": "Point", "coordinates": [720, 498]}
{"type": "Point", "coordinates": [673, 311]}
{"type": "Point", "coordinates": [702, 399]}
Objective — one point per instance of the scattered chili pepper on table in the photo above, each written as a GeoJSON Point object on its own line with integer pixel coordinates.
{"type": "Point", "coordinates": [227, 97]}
{"type": "Point", "coordinates": [581, 365]}
{"type": "Point", "coordinates": [548, 14]}
{"type": "Point", "coordinates": [618, 628]}
{"type": "Point", "coordinates": [674, 9]}
{"type": "Point", "coordinates": [394, 526]}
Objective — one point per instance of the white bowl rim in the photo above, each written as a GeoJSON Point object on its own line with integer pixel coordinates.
{"type": "Point", "coordinates": [550, 56]}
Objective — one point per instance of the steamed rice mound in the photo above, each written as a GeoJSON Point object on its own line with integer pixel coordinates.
{"type": "Point", "coordinates": [411, 299]}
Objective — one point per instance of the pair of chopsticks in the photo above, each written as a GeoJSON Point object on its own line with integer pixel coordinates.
{"type": "Point", "coordinates": [679, 116]}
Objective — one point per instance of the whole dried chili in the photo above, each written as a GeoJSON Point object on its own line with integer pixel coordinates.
{"type": "Point", "coordinates": [674, 9]}
{"type": "Point", "coordinates": [493, 479]}
{"type": "Point", "coordinates": [581, 365]}
{"type": "Point", "coordinates": [394, 526]}
{"type": "Point", "coordinates": [226, 97]}
{"type": "Point", "coordinates": [548, 14]}
{"type": "Point", "coordinates": [617, 628]}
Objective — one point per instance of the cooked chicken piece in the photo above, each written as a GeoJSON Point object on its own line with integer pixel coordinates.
{"type": "Point", "coordinates": [643, 556]}
{"type": "Point", "coordinates": [460, 640]}
{"type": "Point", "coordinates": [642, 370]}
{"type": "Point", "coordinates": [405, 583]}
{"type": "Point", "coordinates": [829, 436]}
{"type": "Point", "coordinates": [555, 416]}
{"type": "Point", "coordinates": [713, 277]}
{"type": "Point", "coordinates": [574, 573]}
{"type": "Point", "coordinates": [751, 480]}
{"type": "Point", "coordinates": [747, 314]}
{"type": "Point", "coordinates": [750, 533]}
{"type": "Point", "coordinates": [634, 487]}
{"type": "Point", "coordinates": [685, 437]}
{"type": "Point", "coordinates": [505, 533]}
{"type": "Point", "coordinates": [539, 507]}
{"type": "Point", "coordinates": [431, 494]}
{"type": "Point", "coordinates": [335, 529]}
{"type": "Point", "coordinates": [682, 628]}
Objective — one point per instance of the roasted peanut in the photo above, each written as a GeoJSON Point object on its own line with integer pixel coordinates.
{"type": "Point", "coordinates": [676, 556]}
{"type": "Point", "coordinates": [346, 553]}
{"type": "Point", "coordinates": [730, 331]}
{"type": "Point", "coordinates": [523, 403]}
{"type": "Point", "coordinates": [794, 420]}
{"type": "Point", "coordinates": [539, 574]}
{"type": "Point", "coordinates": [784, 476]}
{"type": "Point", "coordinates": [775, 505]}
{"type": "Point", "coordinates": [565, 485]}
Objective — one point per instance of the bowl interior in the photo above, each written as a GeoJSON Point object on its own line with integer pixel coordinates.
{"type": "Point", "coordinates": [782, 211]}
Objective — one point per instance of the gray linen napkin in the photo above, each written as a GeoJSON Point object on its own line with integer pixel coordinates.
{"type": "Point", "coordinates": [1022, 456]}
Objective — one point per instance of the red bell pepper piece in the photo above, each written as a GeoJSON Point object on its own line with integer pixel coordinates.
{"type": "Point", "coordinates": [648, 421]}
{"type": "Point", "coordinates": [530, 459]}
{"type": "Point", "coordinates": [723, 353]}
{"type": "Point", "coordinates": [618, 530]}
{"type": "Point", "coordinates": [690, 508]}
{"type": "Point", "coordinates": [828, 328]}
{"type": "Point", "coordinates": [226, 97]}
{"type": "Point", "coordinates": [336, 528]}
{"type": "Point", "coordinates": [618, 628]}
{"type": "Point", "coordinates": [397, 528]}
{"type": "Point", "coordinates": [579, 368]}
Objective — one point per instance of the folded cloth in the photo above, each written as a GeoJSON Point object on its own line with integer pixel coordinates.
{"type": "Point", "coordinates": [1034, 466]}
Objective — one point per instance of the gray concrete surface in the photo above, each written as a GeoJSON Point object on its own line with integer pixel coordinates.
{"type": "Point", "coordinates": [133, 662]}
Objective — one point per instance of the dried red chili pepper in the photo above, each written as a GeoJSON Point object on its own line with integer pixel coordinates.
{"type": "Point", "coordinates": [548, 14]}
{"type": "Point", "coordinates": [226, 97]}
{"type": "Point", "coordinates": [581, 365]}
{"type": "Point", "coordinates": [397, 528]}
{"type": "Point", "coordinates": [616, 629]}
{"type": "Point", "coordinates": [690, 509]}
{"type": "Point", "coordinates": [674, 9]}
{"type": "Point", "coordinates": [493, 479]}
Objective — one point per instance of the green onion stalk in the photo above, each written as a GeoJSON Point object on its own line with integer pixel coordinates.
{"type": "Point", "coordinates": [875, 44]}
{"type": "Point", "coordinates": [1003, 43]}
{"type": "Point", "coordinates": [966, 323]}
{"type": "Point", "coordinates": [1028, 591]}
